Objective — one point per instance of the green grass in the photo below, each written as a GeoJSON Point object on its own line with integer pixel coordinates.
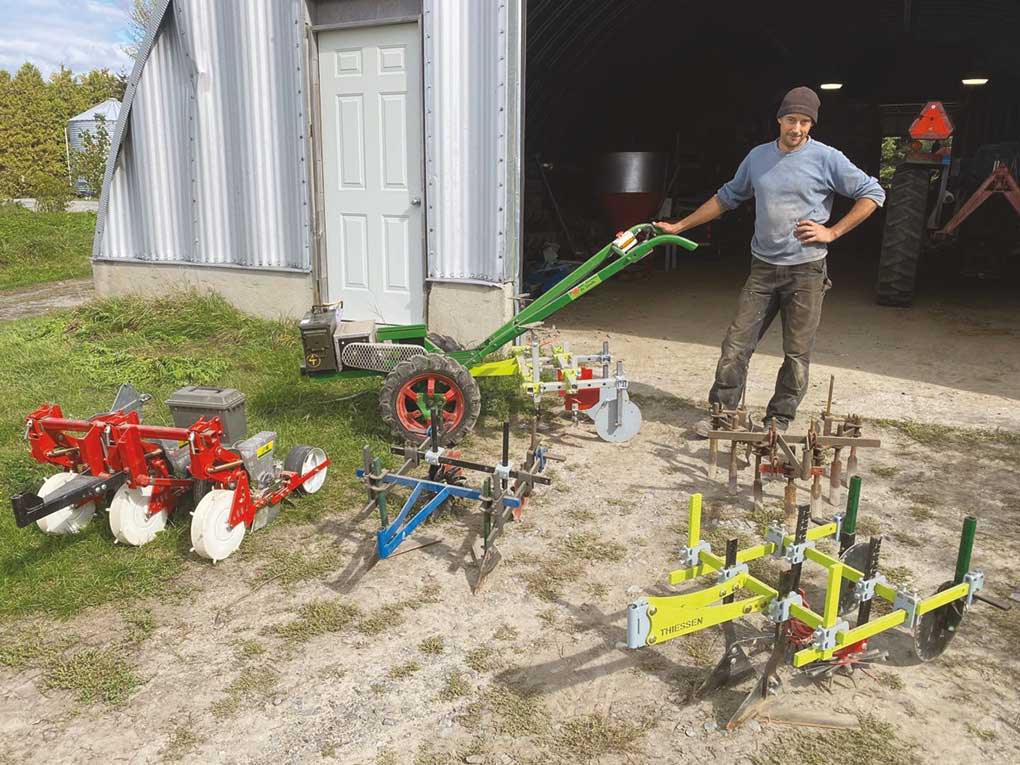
{"type": "Point", "coordinates": [593, 736]}
{"type": "Point", "coordinates": [251, 687]}
{"type": "Point", "coordinates": [432, 646]}
{"type": "Point", "coordinates": [93, 675]}
{"type": "Point", "coordinates": [79, 358]}
{"type": "Point", "coordinates": [876, 742]}
{"type": "Point", "coordinates": [43, 247]}
{"type": "Point", "coordinates": [455, 687]}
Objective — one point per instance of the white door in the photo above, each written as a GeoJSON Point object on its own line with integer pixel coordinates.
{"type": "Point", "coordinates": [371, 91]}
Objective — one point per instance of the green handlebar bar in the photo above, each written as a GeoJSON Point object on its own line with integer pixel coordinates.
{"type": "Point", "coordinates": [966, 548]}
{"type": "Point", "coordinates": [582, 279]}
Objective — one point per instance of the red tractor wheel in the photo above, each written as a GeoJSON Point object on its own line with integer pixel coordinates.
{"type": "Point", "coordinates": [420, 385]}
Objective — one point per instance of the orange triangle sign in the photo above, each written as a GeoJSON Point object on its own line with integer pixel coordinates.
{"type": "Point", "coordinates": [933, 124]}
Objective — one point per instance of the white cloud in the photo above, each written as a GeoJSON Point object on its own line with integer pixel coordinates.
{"type": "Point", "coordinates": [52, 33]}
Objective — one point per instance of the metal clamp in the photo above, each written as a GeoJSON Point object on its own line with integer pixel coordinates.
{"type": "Point", "coordinates": [724, 575]}
{"type": "Point", "coordinates": [639, 624]}
{"type": "Point", "coordinates": [691, 556]}
{"type": "Point", "coordinates": [908, 601]}
{"type": "Point", "coordinates": [502, 471]}
{"type": "Point", "coordinates": [838, 520]}
{"type": "Point", "coordinates": [775, 536]}
{"type": "Point", "coordinates": [824, 638]}
{"type": "Point", "coordinates": [976, 580]}
{"type": "Point", "coordinates": [432, 455]}
{"type": "Point", "coordinates": [541, 458]}
{"type": "Point", "coordinates": [779, 609]}
{"type": "Point", "coordinates": [795, 553]}
{"type": "Point", "coordinates": [864, 589]}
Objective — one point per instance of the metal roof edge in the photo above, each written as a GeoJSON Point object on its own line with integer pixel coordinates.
{"type": "Point", "coordinates": [122, 121]}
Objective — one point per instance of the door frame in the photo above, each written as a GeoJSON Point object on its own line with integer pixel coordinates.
{"type": "Point", "coordinates": [320, 275]}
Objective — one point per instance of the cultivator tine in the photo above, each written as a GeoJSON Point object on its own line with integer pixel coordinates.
{"type": "Point", "coordinates": [734, 665]}
{"type": "Point", "coordinates": [836, 473]}
{"type": "Point", "coordinates": [790, 501]}
{"type": "Point", "coordinates": [874, 549]}
{"type": "Point", "coordinates": [759, 695]}
{"type": "Point", "coordinates": [757, 490]}
{"type": "Point", "coordinates": [733, 469]}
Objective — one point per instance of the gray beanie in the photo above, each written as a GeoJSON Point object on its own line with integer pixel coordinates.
{"type": "Point", "coordinates": [800, 101]}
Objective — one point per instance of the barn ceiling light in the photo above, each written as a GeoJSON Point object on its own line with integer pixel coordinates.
{"type": "Point", "coordinates": [831, 85]}
{"type": "Point", "coordinates": [974, 80]}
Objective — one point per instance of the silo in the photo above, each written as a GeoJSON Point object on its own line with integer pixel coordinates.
{"type": "Point", "coordinates": [86, 122]}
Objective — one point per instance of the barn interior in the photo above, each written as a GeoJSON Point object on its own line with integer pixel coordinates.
{"type": "Point", "coordinates": [694, 86]}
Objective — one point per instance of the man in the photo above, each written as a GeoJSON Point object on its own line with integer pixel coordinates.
{"type": "Point", "coordinates": [793, 180]}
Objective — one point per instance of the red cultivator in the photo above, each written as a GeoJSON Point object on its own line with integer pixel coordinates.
{"type": "Point", "coordinates": [145, 473]}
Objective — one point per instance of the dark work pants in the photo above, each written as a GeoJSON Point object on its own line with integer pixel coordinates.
{"type": "Point", "coordinates": [796, 294]}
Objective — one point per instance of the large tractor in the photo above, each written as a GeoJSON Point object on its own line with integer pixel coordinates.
{"type": "Point", "coordinates": [927, 183]}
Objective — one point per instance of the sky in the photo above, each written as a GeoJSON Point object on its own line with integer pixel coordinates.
{"type": "Point", "coordinates": [80, 34]}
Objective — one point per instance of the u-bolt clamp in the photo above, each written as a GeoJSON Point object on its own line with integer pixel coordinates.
{"type": "Point", "coordinates": [432, 455]}
{"type": "Point", "coordinates": [691, 556]}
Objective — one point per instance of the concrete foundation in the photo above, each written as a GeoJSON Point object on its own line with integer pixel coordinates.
{"type": "Point", "coordinates": [269, 294]}
{"type": "Point", "coordinates": [469, 312]}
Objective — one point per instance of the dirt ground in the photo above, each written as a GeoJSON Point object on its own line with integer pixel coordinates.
{"type": "Point", "coordinates": [44, 298]}
{"type": "Point", "coordinates": [306, 650]}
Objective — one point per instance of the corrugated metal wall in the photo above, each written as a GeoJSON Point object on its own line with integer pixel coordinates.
{"type": "Point", "coordinates": [211, 166]}
{"type": "Point", "coordinates": [473, 71]}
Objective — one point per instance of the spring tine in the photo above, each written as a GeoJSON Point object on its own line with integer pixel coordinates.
{"type": "Point", "coordinates": [790, 501]}
{"type": "Point", "coordinates": [757, 491]}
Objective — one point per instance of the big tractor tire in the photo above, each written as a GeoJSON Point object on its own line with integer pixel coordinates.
{"type": "Point", "coordinates": [417, 386]}
{"type": "Point", "coordinates": [906, 212]}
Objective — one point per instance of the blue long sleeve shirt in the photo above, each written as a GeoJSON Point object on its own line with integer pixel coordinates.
{"type": "Point", "coordinates": [792, 186]}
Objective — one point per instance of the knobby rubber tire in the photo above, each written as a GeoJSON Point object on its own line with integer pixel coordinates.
{"type": "Point", "coordinates": [906, 212]}
{"type": "Point", "coordinates": [419, 365]}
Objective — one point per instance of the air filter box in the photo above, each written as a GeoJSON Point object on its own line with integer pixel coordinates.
{"type": "Point", "coordinates": [191, 402]}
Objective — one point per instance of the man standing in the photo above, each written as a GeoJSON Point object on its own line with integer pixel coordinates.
{"type": "Point", "coordinates": [793, 180]}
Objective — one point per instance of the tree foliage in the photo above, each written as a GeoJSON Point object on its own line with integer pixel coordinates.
{"type": "Point", "coordinates": [33, 116]}
{"type": "Point", "coordinates": [89, 162]}
{"type": "Point", "coordinates": [141, 16]}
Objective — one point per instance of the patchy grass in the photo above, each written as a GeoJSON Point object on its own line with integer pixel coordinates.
{"type": "Point", "coordinates": [387, 757]}
{"type": "Point", "coordinates": [1004, 444]}
{"type": "Point", "coordinates": [898, 576]}
{"type": "Point", "coordinates": [288, 567]}
{"type": "Point", "coordinates": [483, 659]}
{"type": "Point", "coordinates": [921, 513]}
{"type": "Point", "coordinates": [78, 359]}
{"type": "Point", "coordinates": [597, 590]}
{"type": "Point", "coordinates": [141, 624]}
{"type": "Point", "coordinates": [762, 519]}
{"type": "Point", "coordinates": [587, 546]}
{"type": "Point", "coordinates": [246, 650]}
{"type": "Point", "coordinates": [319, 617]}
{"type": "Point", "coordinates": [516, 712]}
{"type": "Point", "coordinates": [432, 646]}
{"type": "Point", "coordinates": [868, 526]}
{"type": "Point", "coordinates": [43, 247]}
{"type": "Point", "coordinates": [93, 675]}
{"type": "Point", "coordinates": [400, 671]}
{"type": "Point", "coordinates": [876, 742]}
{"type": "Point", "coordinates": [889, 680]}
{"type": "Point", "coordinates": [884, 471]}
{"type": "Point", "coordinates": [181, 741]}
{"type": "Point", "coordinates": [252, 686]}
{"type": "Point", "coordinates": [456, 687]}
{"type": "Point", "coordinates": [981, 733]}
{"type": "Point", "coordinates": [506, 632]}
{"type": "Point", "coordinates": [392, 614]}
{"type": "Point", "coordinates": [22, 652]}
{"type": "Point", "coordinates": [593, 736]}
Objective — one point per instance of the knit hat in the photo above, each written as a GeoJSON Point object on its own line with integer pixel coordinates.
{"type": "Point", "coordinates": [800, 101]}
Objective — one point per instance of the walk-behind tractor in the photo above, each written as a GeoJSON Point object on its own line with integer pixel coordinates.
{"type": "Point", "coordinates": [822, 643]}
{"type": "Point", "coordinates": [425, 372]}
{"type": "Point", "coordinates": [502, 495]}
{"type": "Point", "coordinates": [144, 473]}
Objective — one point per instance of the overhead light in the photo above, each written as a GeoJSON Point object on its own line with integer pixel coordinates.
{"type": "Point", "coordinates": [831, 85]}
{"type": "Point", "coordinates": [974, 81]}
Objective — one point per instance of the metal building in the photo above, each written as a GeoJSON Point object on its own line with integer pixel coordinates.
{"type": "Point", "coordinates": [287, 151]}
{"type": "Point", "coordinates": [88, 121]}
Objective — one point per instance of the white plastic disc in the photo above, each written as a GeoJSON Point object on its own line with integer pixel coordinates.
{"type": "Point", "coordinates": [628, 427]}
{"type": "Point", "coordinates": [314, 458]}
{"type": "Point", "coordinates": [211, 535]}
{"type": "Point", "coordinates": [66, 520]}
{"type": "Point", "coordinates": [130, 521]}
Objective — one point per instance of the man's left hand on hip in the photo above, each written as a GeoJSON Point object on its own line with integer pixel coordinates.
{"type": "Point", "coordinates": [810, 232]}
